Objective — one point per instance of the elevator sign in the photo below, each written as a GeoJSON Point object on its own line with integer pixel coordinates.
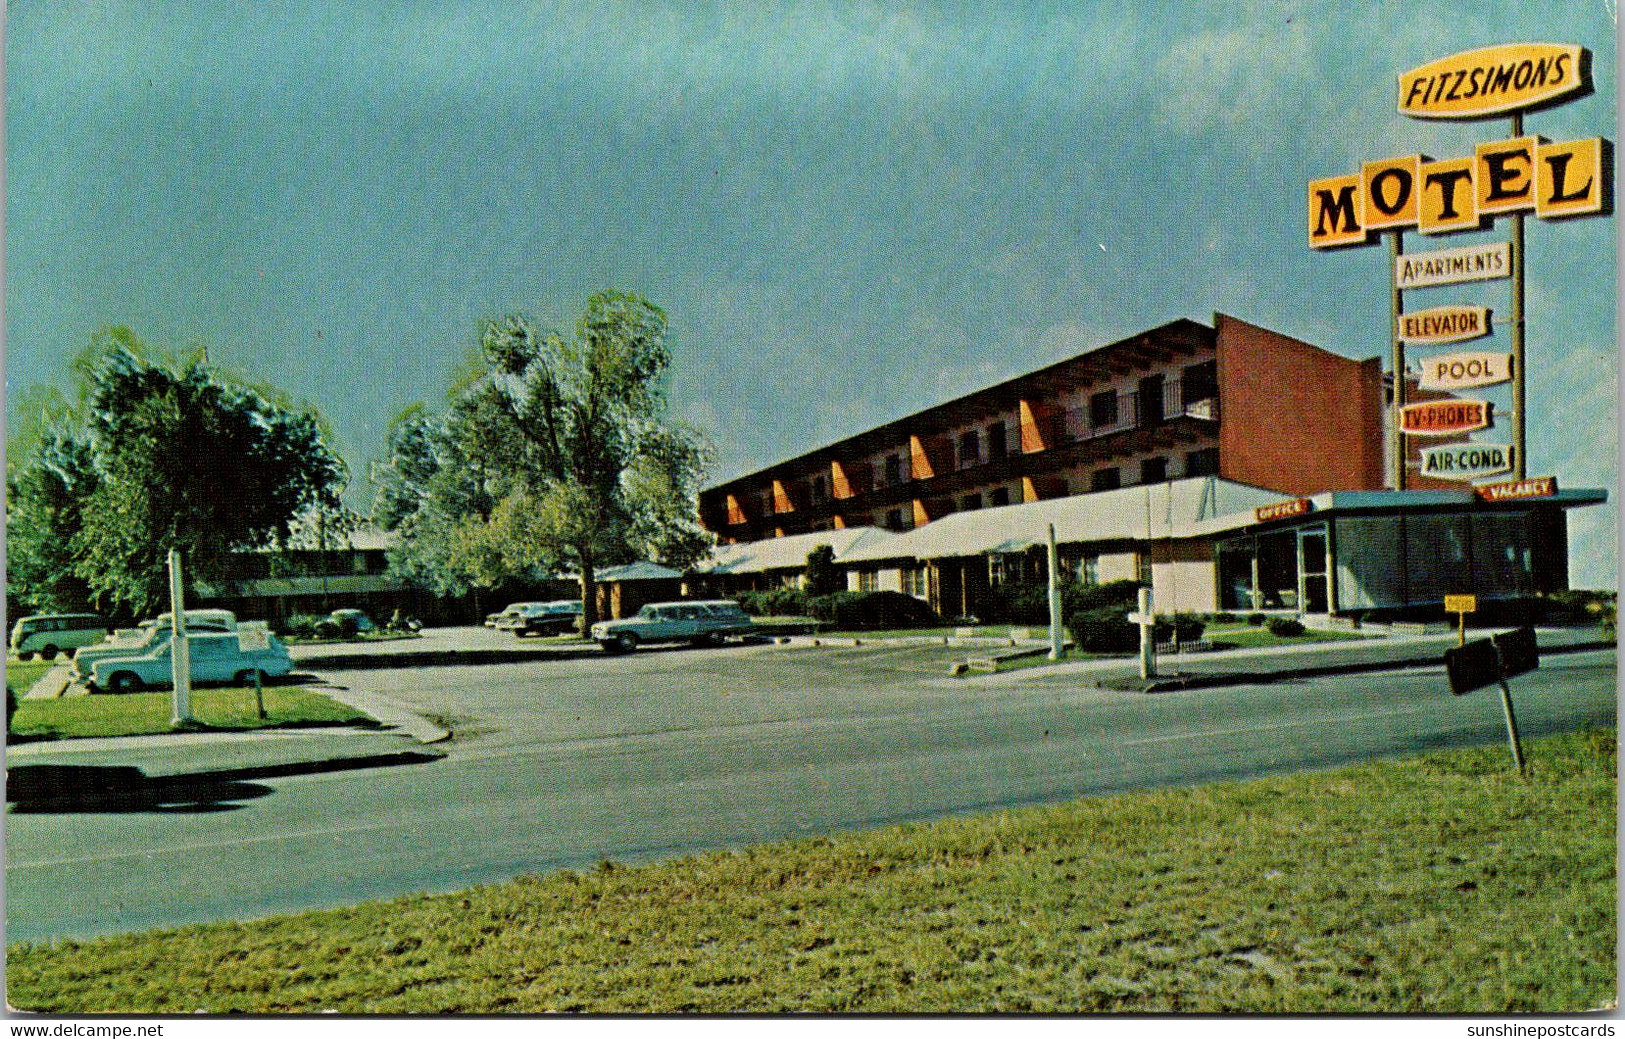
{"type": "Point", "coordinates": [1444, 324]}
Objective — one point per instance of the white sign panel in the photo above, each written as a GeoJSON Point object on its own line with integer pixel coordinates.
{"type": "Point", "coordinates": [1466, 461]}
{"type": "Point", "coordinates": [1444, 324]}
{"type": "Point", "coordinates": [1465, 371]}
{"type": "Point", "coordinates": [1451, 266]}
{"type": "Point", "coordinates": [253, 636]}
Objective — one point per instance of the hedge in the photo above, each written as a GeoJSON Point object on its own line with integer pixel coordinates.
{"type": "Point", "coordinates": [860, 611]}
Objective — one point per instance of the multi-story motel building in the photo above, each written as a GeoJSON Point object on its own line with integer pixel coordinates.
{"type": "Point", "coordinates": [1230, 467]}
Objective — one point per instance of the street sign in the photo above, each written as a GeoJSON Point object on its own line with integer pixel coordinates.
{"type": "Point", "coordinates": [1442, 417]}
{"type": "Point", "coordinates": [1461, 604]}
{"type": "Point", "coordinates": [1472, 666]}
{"type": "Point", "coordinates": [253, 636]}
{"type": "Point", "coordinates": [1519, 652]}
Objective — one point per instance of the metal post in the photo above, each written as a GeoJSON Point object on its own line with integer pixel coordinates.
{"type": "Point", "coordinates": [180, 652]}
{"type": "Point", "coordinates": [1396, 249]}
{"type": "Point", "coordinates": [259, 695]}
{"type": "Point", "coordinates": [1054, 597]}
{"type": "Point", "coordinates": [1520, 469]}
{"type": "Point", "coordinates": [1512, 726]}
{"type": "Point", "coordinates": [1148, 638]}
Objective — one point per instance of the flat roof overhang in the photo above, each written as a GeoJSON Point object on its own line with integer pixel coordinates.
{"type": "Point", "coordinates": [1349, 503]}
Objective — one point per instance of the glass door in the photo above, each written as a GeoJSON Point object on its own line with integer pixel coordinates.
{"type": "Point", "coordinates": [1313, 588]}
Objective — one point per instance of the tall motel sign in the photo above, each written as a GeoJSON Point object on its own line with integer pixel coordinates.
{"type": "Point", "coordinates": [1510, 178]}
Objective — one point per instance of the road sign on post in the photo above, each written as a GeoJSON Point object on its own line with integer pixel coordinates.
{"type": "Point", "coordinates": [1461, 606]}
{"type": "Point", "coordinates": [1055, 640]}
{"type": "Point", "coordinates": [1147, 620]}
{"type": "Point", "coordinates": [1485, 662]}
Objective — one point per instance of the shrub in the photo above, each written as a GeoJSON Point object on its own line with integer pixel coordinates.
{"type": "Point", "coordinates": [860, 611]}
{"type": "Point", "coordinates": [301, 625]}
{"type": "Point", "coordinates": [1187, 626]}
{"type": "Point", "coordinates": [776, 602]}
{"type": "Point", "coordinates": [823, 576]}
{"type": "Point", "coordinates": [1223, 618]}
{"type": "Point", "coordinates": [1255, 619]}
{"type": "Point", "coordinates": [1285, 627]}
{"type": "Point", "coordinates": [11, 708]}
{"type": "Point", "coordinates": [1104, 630]}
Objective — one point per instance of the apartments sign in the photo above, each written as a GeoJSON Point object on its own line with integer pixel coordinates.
{"type": "Point", "coordinates": [1453, 266]}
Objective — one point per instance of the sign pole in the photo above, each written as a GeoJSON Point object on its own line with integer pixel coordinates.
{"type": "Point", "coordinates": [180, 652]}
{"type": "Point", "coordinates": [1148, 639]}
{"type": "Point", "coordinates": [1396, 297]}
{"type": "Point", "coordinates": [1512, 726]}
{"type": "Point", "coordinates": [1519, 468]}
{"type": "Point", "coordinates": [1054, 597]}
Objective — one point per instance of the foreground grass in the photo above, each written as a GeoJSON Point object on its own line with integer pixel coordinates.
{"type": "Point", "coordinates": [22, 674]}
{"type": "Point", "coordinates": [1248, 637]}
{"type": "Point", "coordinates": [1440, 884]}
{"type": "Point", "coordinates": [145, 714]}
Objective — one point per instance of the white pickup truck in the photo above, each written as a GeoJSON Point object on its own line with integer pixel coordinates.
{"type": "Point", "coordinates": [704, 623]}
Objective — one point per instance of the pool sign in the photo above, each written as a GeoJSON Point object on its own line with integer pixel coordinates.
{"type": "Point", "coordinates": [1466, 461]}
{"type": "Point", "coordinates": [1465, 371]}
{"type": "Point", "coordinates": [1444, 324]}
{"type": "Point", "coordinates": [1442, 417]}
{"type": "Point", "coordinates": [1494, 81]}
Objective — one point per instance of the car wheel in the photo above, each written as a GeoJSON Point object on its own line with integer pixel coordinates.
{"type": "Point", "coordinates": [124, 682]}
{"type": "Point", "coordinates": [48, 653]}
{"type": "Point", "coordinates": [626, 642]}
{"type": "Point", "coordinates": [26, 656]}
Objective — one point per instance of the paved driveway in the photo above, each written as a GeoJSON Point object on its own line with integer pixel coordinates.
{"type": "Point", "coordinates": [664, 752]}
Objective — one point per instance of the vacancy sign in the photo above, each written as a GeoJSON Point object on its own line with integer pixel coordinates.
{"type": "Point", "coordinates": [1444, 324]}
{"type": "Point", "coordinates": [1466, 461]}
{"type": "Point", "coordinates": [1442, 417]}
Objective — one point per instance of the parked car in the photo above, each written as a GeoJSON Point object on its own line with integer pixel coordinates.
{"type": "Point", "coordinates": [343, 622]}
{"type": "Point", "coordinates": [50, 633]}
{"type": "Point", "coordinates": [216, 657]}
{"type": "Point", "coordinates": [493, 620]}
{"type": "Point", "coordinates": [148, 635]}
{"type": "Point", "coordinates": [545, 618]}
{"type": "Point", "coordinates": [704, 623]}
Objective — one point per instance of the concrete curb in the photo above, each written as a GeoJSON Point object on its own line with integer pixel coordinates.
{"type": "Point", "coordinates": [1176, 683]}
{"type": "Point", "coordinates": [389, 713]}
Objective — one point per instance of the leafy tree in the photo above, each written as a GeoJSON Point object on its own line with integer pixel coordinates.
{"type": "Point", "coordinates": [823, 576]}
{"type": "Point", "coordinates": [555, 454]}
{"type": "Point", "coordinates": [161, 454]}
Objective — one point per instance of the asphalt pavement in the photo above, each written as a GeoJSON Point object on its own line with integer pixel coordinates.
{"type": "Point", "coordinates": [561, 761]}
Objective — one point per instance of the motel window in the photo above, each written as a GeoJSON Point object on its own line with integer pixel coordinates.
{"type": "Point", "coordinates": [894, 519]}
{"type": "Point", "coordinates": [1103, 409]}
{"type": "Point", "coordinates": [1108, 479]}
{"type": "Point", "coordinates": [1142, 568]}
{"type": "Point", "coordinates": [1089, 570]}
{"type": "Point", "coordinates": [914, 581]}
{"type": "Point", "coordinates": [1202, 463]}
{"type": "Point", "coordinates": [970, 449]}
{"type": "Point", "coordinates": [995, 440]}
{"type": "Point", "coordinates": [893, 469]}
{"type": "Point", "coordinates": [970, 503]}
{"type": "Point", "coordinates": [998, 496]}
{"type": "Point", "coordinates": [1154, 470]}
{"type": "Point", "coordinates": [820, 489]}
{"type": "Point", "coordinates": [868, 581]}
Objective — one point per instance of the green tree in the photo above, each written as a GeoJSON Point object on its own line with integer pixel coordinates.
{"type": "Point", "coordinates": [163, 454]}
{"type": "Point", "coordinates": [555, 455]}
{"type": "Point", "coordinates": [823, 576]}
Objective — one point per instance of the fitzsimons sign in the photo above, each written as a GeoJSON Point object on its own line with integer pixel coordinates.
{"type": "Point", "coordinates": [1493, 81]}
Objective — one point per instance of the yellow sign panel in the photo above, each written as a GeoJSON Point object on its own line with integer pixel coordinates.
{"type": "Point", "coordinates": [1571, 179]}
{"type": "Point", "coordinates": [1461, 604]}
{"type": "Point", "coordinates": [1504, 175]}
{"type": "Point", "coordinates": [1388, 192]}
{"type": "Point", "coordinates": [1556, 180]}
{"type": "Point", "coordinates": [1494, 80]}
{"type": "Point", "coordinates": [1450, 324]}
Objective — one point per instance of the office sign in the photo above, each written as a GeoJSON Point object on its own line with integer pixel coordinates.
{"type": "Point", "coordinates": [1453, 266]}
{"type": "Point", "coordinates": [1466, 461]}
{"type": "Point", "coordinates": [1283, 510]}
{"type": "Point", "coordinates": [1494, 80]}
{"type": "Point", "coordinates": [1465, 371]}
{"type": "Point", "coordinates": [1514, 490]}
{"type": "Point", "coordinates": [1445, 324]}
{"type": "Point", "coordinates": [1442, 417]}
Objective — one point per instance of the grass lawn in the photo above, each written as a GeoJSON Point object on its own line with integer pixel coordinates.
{"type": "Point", "coordinates": [21, 675]}
{"type": "Point", "coordinates": [1245, 636]}
{"type": "Point", "coordinates": [144, 714]}
{"type": "Point", "coordinates": [1435, 884]}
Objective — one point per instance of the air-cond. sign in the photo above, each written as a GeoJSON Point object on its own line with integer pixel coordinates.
{"type": "Point", "coordinates": [1442, 417]}
{"type": "Point", "coordinates": [1444, 324]}
{"type": "Point", "coordinates": [1493, 80]}
{"type": "Point", "coordinates": [1466, 461]}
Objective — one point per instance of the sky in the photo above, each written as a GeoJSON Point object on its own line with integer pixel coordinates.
{"type": "Point", "coordinates": [848, 211]}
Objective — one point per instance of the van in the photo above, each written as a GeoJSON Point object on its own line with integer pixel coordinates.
{"type": "Point", "coordinates": [50, 633]}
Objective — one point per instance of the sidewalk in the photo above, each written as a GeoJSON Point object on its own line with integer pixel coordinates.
{"type": "Point", "coordinates": [43, 772]}
{"type": "Point", "coordinates": [1286, 663]}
